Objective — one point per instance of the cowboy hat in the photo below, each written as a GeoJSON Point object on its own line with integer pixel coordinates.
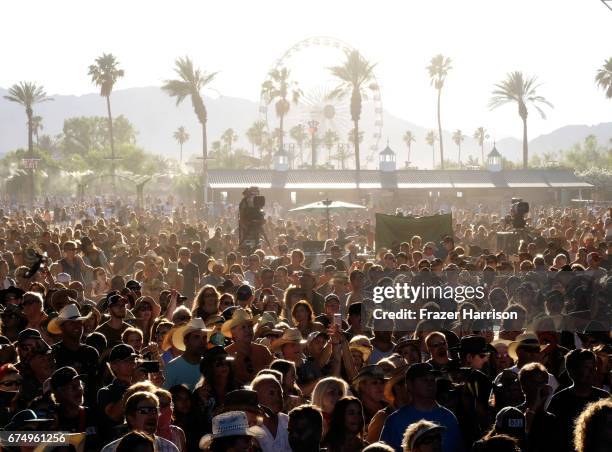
{"type": "Point", "coordinates": [69, 312]}
{"type": "Point", "coordinates": [231, 423]}
{"type": "Point", "coordinates": [398, 375]}
{"type": "Point", "coordinates": [361, 344]}
{"type": "Point", "coordinates": [239, 317]}
{"type": "Point", "coordinates": [291, 335]}
{"type": "Point", "coordinates": [528, 340]}
{"type": "Point", "coordinates": [195, 324]}
{"type": "Point", "coordinates": [371, 371]}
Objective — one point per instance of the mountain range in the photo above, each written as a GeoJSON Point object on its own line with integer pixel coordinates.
{"type": "Point", "coordinates": [155, 116]}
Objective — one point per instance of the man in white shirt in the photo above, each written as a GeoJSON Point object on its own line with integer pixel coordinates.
{"type": "Point", "coordinates": [274, 436]}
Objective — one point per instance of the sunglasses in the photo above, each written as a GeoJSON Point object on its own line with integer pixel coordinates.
{"type": "Point", "coordinates": [11, 384]}
{"type": "Point", "coordinates": [147, 410]}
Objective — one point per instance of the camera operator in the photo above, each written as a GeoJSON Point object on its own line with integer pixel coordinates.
{"type": "Point", "coordinates": [250, 220]}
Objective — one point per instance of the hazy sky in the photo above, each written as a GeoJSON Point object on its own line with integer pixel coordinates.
{"type": "Point", "coordinates": [563, 42]}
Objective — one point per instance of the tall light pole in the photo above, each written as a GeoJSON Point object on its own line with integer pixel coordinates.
{"type": "Point", "coordinates": [312, 128]}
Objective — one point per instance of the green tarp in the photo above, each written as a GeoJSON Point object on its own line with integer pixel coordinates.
{"type": "Point", "coordinates": [392, 230]}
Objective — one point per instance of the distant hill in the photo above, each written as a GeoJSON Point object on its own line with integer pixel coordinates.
{"type": "Point", "coordinates": [156, 117]}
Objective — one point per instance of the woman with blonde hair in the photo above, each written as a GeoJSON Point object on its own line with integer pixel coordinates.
{"type": "Point", "coordinates": [326, 394]}
{"type": "Point", "coordinates": [593, 431]}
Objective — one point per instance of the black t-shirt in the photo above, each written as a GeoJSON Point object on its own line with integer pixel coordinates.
{"type": "Point", "coordinates": [84, 360]}
{"type": "Point", "coordinates": [191, 274]}
{"type": "Point", "coordinates": [543, 436]}
{"type": "Point", "coordinates": [567, 406]}
{"type": "Point", "coordinates": [113, 336]}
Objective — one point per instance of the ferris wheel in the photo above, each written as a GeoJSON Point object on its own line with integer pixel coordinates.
{"type": "Point", "coordinates": [308, 62]}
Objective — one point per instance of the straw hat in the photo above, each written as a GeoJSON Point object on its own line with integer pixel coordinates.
{"type": "Point", "coordinates": [195, 324]}
{"type": "Point", "coordinates": [369, 372]}
{"type": "Point", "coordinates": [239, 317]}
{"type": "Point", "coordinates": [68, 312]}
{"type": "Point", "coordinates": [231, 423]}
{"type": "Point", "coordinates": [291, 335]}
{"type": "Point", "coordinates": [528, 340]}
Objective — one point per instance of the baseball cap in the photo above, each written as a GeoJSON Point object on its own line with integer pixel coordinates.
{"type": "Point", "coordinates": [509, 419]}
{"type": "Point", "coordinates": [28, 333]}
{"type": "Point", "coordinates": [121, 352]}
{"type": "Point", "coordinates": [23, 419]}
{"type": "Point", "coordinates": [63, 376]}
{"type": "Point", "coordinates": [116, 298]}
{"type": "Point", "coordinates": [418, 370]}
{"type": "Point", "coordinates": [132, 284]}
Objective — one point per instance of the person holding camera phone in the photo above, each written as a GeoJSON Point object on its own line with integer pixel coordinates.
{"type": "Point", "coordinates": [540, 425]}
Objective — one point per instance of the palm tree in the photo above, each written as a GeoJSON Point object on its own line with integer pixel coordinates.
{"type": "Point", "coordinates": [330, 138]}
{"type": "Point", "coordinates": [280, 87]}
{"type": "Point", "coordinates": [190, 83]}
{"type": "Point", "coordinates": [299, 135]}
{"type": "Point", "coordinates": [354, 76]}
{"type": "Point", "coordinates": [28, 94]}
{"type": "Point", "coordinates": [255, 135]}
{"type": "Point", "coordinates": [182, 137]}
{"type": "Point", "coordinates": [438, 69]}
{"type": "Point", "coordinates": [37, 126]}
{"type": "Point", "coordinates": [105, 73]}
{"type": "Point", "coordinates": [229, 137]}
{"type": "Point", "coordinates": [408, 139]}
{"type": "Point", "coordinates": [604, 78]}
{"type": "Point", "coordinates": [458, 138]}
{"type": "Point", "coordinates": [522, 90]}
{"type": "Point", "coordinates": [480, 135]}
{"type": "Point", "coordinates": [431, 139]}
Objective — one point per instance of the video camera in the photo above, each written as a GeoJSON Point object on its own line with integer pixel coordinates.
{"type": "Point", "coordinates": [251, 219]}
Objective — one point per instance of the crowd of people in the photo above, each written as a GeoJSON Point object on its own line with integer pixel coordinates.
{"type": "Point", "coordinates": [152, 330]}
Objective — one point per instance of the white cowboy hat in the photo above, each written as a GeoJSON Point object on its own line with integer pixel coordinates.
{"type": "Point", "coordinates": [291, 335]}
{"type": "Point", "coordinates": [239, 316]}
{"type": "Point", "coordinates": [527, 339]}
{"type": "Point", "coordinates": [231, 423]}
{"type": "Point", "coordinates": [68, 312]}
{"type": "Point", "coordinates": [195, 324]}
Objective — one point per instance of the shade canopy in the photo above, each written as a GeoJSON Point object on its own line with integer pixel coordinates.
{"type": "Point", "coordinates": [327, 205]}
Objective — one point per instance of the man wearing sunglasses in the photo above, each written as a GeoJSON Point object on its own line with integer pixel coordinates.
{"type": "Point", "coordinates": [142, 414]}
